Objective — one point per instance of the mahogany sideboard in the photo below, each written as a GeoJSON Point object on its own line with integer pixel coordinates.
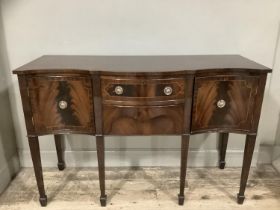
{"type": "Point", "coordinates": [141, 95]}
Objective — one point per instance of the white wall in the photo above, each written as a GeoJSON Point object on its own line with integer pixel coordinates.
{"type": "Point", "coordinates": [274, 96]}
{"type": "Point", "coordinates": [36, 27]}
{"type": "Point", "coordinates": [9, 163]}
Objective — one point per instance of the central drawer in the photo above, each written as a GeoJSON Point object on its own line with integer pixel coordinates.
{"type": "Point", "coordinates": [143, 120]}
{"type": "Point", "coordinates": [145, 106]}
{"type": "Point", "coordinates": [142, 91]}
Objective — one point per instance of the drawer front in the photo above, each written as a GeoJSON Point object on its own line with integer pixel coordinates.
{"type": "Point", "coordinates": [224, 103]}
{"type": "Point", "coordinates": [142, 91]}
{"type": "Point", "coordinates": [143, 120]}
{"type": "Point", "coordinates": [61, 103]}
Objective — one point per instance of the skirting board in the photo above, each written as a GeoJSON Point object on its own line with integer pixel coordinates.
{"type": "Point", "coordinates": [276, 158]}
{"type": "Point", "coordinates": [196, 158]}
{"type": "Point", "coordinates": [7, 171]}
{"type": "Point", "coordinates": [276, 164]}
{"type": "Point", "coordinates": [265, 155]}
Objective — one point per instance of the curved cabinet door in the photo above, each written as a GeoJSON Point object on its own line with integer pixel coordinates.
{"type": "Point", "coordinates": [61, 104]}
{"type": "Point", "coordinates": [224, 103]}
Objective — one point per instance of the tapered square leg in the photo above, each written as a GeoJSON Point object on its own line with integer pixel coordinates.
{"type": "Point", "coordinates": [60, 148]}
{"type": "Point", "coordinates": [222, 150]}
{"type": "Point", "coordinates": [184, 160]}
{"type": "Point", "coordinates": [101, 168]}
{"type": "Point", "coordinates": [43, 201]}
{"type": "Point", "coordinates": [181, 199]}
{"type": "Point", "coordinates": [36, 159]}
{"type": "Point", "coordinates": [240, 199]}
{"type": "Point", "coordinates": [103, 200]}
{"type": "Point", "coordinates": [247, 159]}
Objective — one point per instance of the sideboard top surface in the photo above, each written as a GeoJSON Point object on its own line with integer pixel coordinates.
{"type": "Point", "coordinates": [140, 64]}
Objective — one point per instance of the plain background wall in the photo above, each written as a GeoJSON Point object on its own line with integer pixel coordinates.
{"type": "Point", "coordinates": [9, 163]}
{"type": "Point", "coordinates": [274, 96]}
{"type": "Point", "coordinates": [147, 27]}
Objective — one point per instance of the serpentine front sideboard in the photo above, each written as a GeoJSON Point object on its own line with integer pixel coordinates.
{"type": "Point", "coordinates": [141, 95]}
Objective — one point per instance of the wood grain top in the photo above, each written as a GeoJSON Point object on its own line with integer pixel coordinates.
{"type": "Point", "coordinates": [139, 64]}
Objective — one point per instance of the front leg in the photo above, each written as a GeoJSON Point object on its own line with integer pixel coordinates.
{"type": "Point", "coordinates": [60, 148]}
{"type": "Point", "coordinates": [247, 159]}
{"type": "Point", "coordinates": [101, 168]}
{"type": "Point", "coordinates": [184, 161]}
{"type": "Point", "coordinates": [36, 159]}
{"type": "Point", "coordinates": [223, 149]}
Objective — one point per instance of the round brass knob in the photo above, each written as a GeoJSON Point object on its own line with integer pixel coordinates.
{"type": "Point", "coordinates": [167, 90]}
{"type": "Point", "coordinates": [62, 104]}
{"type": "Point", "coordinates": [221, 103]}
{"type": "Point", "coordinates": [118, 90]}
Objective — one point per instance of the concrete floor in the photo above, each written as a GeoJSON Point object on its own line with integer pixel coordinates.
{"type": "Point", "coordinates": [144, 188]}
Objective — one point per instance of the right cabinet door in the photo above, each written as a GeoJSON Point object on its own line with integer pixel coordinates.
{"type": "Point", "coordinates": [224, 103]}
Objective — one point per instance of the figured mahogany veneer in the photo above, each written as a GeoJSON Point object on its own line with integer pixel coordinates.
{"type": "Point", "coordinates": [46, 93]}
{"type": "Point", "coordinates": [143, 120]}
{"type": "Point", "coordinates": [142, 91]}
{"type": "Point", "coordinates": [141, 95]}
{"type": "Point", "coordinates": [143, 108]}
{"type": "Point", "coordinates": [239, 94]}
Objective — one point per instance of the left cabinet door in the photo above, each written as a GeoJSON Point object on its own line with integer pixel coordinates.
{"type": "Point", "coordinates": [61, 104]}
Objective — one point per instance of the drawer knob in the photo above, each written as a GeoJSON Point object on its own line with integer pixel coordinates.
{"type": "Point", "coordinates": [167, 90]}
{"type": "Point", "coordinates": [62, 104]}
{"type": "Point", "coordinates": [118, 90]}
{"type": "Point", "coordinates": [221, 103]}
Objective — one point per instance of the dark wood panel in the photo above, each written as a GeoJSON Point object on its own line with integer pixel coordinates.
{"type": "Point", "coordinates": [157, 64]}
{"type": "Point", "coordinates": [61, 103]}
{"type": "Point", "coordinates": [258, 101]}
{"type": "Point", "coordinates": [23, 86]}
{"type": "Point", "coordinates": [143, 120]}
{"type": "Point", "coordinates": [97, 104]}
{"type": "Point", "coordinates": [142, 91]}
{"type": "Point", "coordinates": [238, 94]}
{"type": "Point", "coordinates": [188, 104]}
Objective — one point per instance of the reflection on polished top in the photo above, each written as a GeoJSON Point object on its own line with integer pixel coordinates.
{"type": "Point", "coordinates": [157, 63]}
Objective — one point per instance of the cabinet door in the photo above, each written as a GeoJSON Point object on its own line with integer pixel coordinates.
{"type": "Point", "coordinates": [224, 103]}
{"type": "Point", "coordinates": [61, 104]}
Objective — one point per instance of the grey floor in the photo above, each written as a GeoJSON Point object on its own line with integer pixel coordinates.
{"type": "Point", "coordinates": [144, 188]}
